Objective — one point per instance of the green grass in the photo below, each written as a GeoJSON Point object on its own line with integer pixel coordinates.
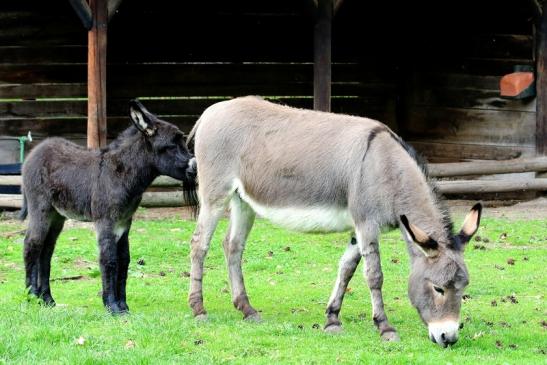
{"type": "Point", "coordinates": [290, 288]}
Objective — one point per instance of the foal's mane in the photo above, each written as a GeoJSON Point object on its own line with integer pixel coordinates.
{"type": "Point", "coordinates": [127, 138]}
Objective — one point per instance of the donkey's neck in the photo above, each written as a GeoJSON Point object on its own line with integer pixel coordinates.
{"type": "Point", "coordinates": [132, 162]}
{"type": "Point", "coordinates": [420, 204]}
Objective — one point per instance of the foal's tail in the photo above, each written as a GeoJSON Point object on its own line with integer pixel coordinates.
{"type": "Point", "coordinates": [24, 209]}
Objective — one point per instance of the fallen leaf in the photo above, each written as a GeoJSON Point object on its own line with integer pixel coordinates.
{"type": "Point", "coordinates": [499, 267]}
{"type": "Point", "coordinates": [130, 344]}
{"type": "Point", "coordinates": [185, 274]}
{"type": "Point", "coordinates": [510, 261]}
{"type": "Point", "coordinates": [198, 342]}
{"type": "Point", "coordinates": [503, 236]}
{"type": "Point", "coordinates": [499, 345]}
{"type": "Point", "coordinates": [478, 238]}
{"type": "Point", "coordinates": [287, 249]}
{"type": "Point", "coordinates": [494, 303]}
{"type": "Point", "coordinates": [478, 335]}
{"type": "Point", "coordinates": [140, 262]}
{"type": "Point", "coordinates": [316, 326]}
{"type": "Point", "coordinates": [80, 341]}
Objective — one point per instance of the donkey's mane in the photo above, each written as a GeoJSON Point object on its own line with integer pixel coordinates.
{"type": "Point", "coordinates": [439, 201]}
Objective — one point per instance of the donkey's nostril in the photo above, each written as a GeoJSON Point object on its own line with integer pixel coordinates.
{"type": "Point", "coordinates": [443, 337]}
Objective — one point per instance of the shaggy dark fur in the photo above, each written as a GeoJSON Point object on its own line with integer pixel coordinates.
{"type": "Point", "coordinates": [63, 180]}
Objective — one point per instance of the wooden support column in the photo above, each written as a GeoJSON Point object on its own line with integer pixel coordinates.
{"type": "Point", "coordinates": [541, 82]}
{"type": "Point", "coordinates": [96, 75]}
{"type": "Point", "coordinates": [322, 56]}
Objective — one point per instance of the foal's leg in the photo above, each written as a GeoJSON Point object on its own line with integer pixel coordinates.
{"type": "Point", "coordinates": [37, 231]}
{"type": "Point", "coordinates": [123, 265]}
{"type": "Point", "coordinates": [241, 221]}
{"type": "Point", "coordinates": [207, 223]}
{"type": "Point", "coordinates": [367, 239]}
{"type": "Point", "coordinates": [346, 269]}
{"type": "Point", "coordinates": [108, 261]}
{"type": "Point", "coordinates": [55, 229]}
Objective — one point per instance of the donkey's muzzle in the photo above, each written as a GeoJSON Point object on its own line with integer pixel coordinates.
{"type": "Point", "coordinates": [444, 333]}
{"type": "Point", "coordinates": [192, 169]}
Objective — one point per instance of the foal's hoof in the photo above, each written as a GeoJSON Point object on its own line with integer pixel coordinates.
{"type": "Point", "coordinates": [391, 336]}
{"type": "Point", "coordinates": [254, 317]}
{"type": "Point", "coordinates": [47, 302]}
{"type": "Point", "coordinates": [333, 328]}
{"type": "Point", "coordinates": [115, 309]}
{"type": "Point", "coordinates": [201, 317]}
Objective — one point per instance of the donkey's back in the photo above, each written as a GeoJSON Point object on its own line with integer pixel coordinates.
{"type": "Point", "coordinates": [301, 169]}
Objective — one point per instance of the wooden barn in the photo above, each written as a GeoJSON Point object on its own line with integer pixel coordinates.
{"type": "Point", "coordinates": [430, 70]}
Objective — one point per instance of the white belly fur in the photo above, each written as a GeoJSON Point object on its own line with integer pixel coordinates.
{"type": "Point", "coordinates": [303, 219]}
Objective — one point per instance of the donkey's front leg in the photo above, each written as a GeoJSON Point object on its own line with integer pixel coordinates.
{"type": "Point", "coordinates": [367, 237]}
{"type": "Point", "coordinates": [108, 261]}
{"type": "Point", "coordinates": [346, 269]}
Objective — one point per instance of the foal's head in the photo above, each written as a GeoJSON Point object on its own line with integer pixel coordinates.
{"type": "Point", "coordinates": [439, 276]}
{"type": "Point", "coordinates": [170, 153]}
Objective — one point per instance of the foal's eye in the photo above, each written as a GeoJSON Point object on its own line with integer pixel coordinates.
{"type": "Point", "coordinates": [438, 290]}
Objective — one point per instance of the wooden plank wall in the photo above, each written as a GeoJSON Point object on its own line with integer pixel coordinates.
{"type": "Point", "coordinates": [432, 80]}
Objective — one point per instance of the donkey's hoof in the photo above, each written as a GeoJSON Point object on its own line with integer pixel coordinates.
{"type": "Point", "coordinates": [391, 336]}
{"type": "Point", "coordinates": [333, 328]}
{"type": "Point", "coordinates": [253, 317]}
{"type": "Point", "coordinates": [201, 317]}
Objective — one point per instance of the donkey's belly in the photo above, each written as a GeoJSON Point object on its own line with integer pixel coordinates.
{"type": "Point", "coordinates": [304, 219]}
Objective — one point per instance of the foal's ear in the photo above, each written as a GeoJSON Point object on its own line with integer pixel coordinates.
{"type": "Point", "coordinates": [142, 118]}
{"type": "Point", "coordinates": [426, 244]}
{"type": "Point", "coordinates": [470, 224]}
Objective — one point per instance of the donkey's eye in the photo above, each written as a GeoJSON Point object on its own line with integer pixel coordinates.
{"type": "Point", "coordinates": [438, 290]}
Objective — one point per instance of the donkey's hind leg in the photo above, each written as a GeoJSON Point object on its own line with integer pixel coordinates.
{"type": "Point", "coordinates": [57, 222]}
{"type": "Point", "coordinates": [241, 221]}
{"type": "Point", "coordinates": [346, 269]}
{"type": "Point", "coordinates": [207, 222]}
{"type": "Point", "coordinates": [123, 265]}
{"type": "Point", "coordinates": [367, 238]}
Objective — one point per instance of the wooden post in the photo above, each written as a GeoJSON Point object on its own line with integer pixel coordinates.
{"type": "Point", "coordinates": [84, 12]}
{"type": "Point", "coordinates": [541, 82]}
{"type": "Point", "coordinates": [96, 75]}
{"type": "Point", "coordinates": [322, 56]}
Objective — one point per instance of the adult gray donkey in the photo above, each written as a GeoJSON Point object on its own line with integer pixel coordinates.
{"type": "Point", "coordinates": [322, 172]}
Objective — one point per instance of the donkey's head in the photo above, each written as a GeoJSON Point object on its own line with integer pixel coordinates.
{"type": "Point", "coordinates": [170, 154]}
{"type": "Point", "coordinates": [439, 276]}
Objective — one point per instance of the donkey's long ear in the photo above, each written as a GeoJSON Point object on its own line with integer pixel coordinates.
{"type": "Point", "coordinates": [142, 118]}
{"type": "Point", "coordinates": [470, 224]}
{"type": "Point", "coordinates": [426, 244]}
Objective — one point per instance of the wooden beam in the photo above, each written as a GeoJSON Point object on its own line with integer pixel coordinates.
{"type": "Point", "coordinates": [541, 80]}
{"type": "Point", "coordinates": [11, 201]}
{"type": "Point", "coordinates": [83, 11]}
{"type": "Point", "coordinates": [322, 56]}
{"type": "Point", "coordinates": [96, 76]}
{"type": "Point", "coordinates": [490, 186]}
{"type": "Point", "coordinates": [113, 6]}
{"type": "Point", "coordinates": [10, 180]}
{"type": "Point", "coordinates": [488, 167]}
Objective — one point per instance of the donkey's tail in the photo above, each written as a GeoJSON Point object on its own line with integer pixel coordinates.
{"type": "Point", "coordinates": [24, 208]}
{"type": "Point", "coordinates": [192, 133]}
